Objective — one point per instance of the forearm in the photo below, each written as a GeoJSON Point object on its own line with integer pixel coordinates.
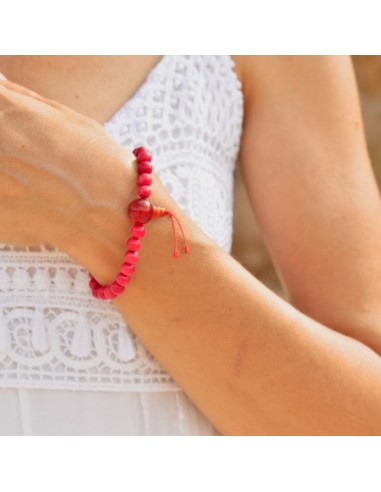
{"type": "Point", "coordinates": [250, 361]}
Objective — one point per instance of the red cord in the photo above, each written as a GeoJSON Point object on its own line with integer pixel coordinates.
{"type": "Point", "coordinates": [176, 252]}
{"type": "Point", "coordinates": [160, 212]}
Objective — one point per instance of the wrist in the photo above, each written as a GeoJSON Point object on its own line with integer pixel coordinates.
{"type": "Point", "coordinates": [99, 236]}
{"type": "Point", "coordinates": [101, 248]}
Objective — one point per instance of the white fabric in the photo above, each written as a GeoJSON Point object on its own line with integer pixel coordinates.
{"type": "Point", "coordinates": [55, 336]}
{"type": "Point", "coordinates": [66, 412]}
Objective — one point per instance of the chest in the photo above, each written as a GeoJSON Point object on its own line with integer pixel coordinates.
{"type": "Point", "coordinates": [189, 112]}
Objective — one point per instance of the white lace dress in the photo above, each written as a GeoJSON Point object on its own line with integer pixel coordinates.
{"type": "Point", "coordinates": [69, 363]}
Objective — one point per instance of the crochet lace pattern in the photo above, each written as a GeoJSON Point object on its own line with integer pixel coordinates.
{"type": "Point", "coordinates": [53, 333]}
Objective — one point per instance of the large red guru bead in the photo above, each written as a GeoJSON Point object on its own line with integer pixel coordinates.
{"type": "Point", "coordinates": [140, 210]}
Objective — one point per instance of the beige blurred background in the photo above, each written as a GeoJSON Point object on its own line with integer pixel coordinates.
{"type": "Point", "coordinates": [248, 246]}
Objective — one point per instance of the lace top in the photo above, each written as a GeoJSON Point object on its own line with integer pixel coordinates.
{"type": "Point", "coordinates": [53, 333]}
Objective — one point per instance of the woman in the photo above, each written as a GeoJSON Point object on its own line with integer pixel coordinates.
{"type": "Point", "coordinates": [194, 345]}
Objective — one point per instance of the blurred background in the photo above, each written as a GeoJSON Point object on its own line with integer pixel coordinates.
{"type": "Point", "coordinates": [248, 246]}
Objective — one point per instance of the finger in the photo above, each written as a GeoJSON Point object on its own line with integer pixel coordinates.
{"type": "Point", "coordinates": [2, 77]}
{"type": "Point", "coordinates": [20, 89]}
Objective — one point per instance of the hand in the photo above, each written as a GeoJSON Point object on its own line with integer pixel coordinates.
{"type": "Point", "coordinates": [61, 173]}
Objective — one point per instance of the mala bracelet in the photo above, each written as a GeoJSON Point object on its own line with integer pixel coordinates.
{"type": "Point", "coordinates": [140, 211]}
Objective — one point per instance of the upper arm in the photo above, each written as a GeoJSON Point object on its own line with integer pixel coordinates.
{"type": "Point", "coordinates": [310, 183]}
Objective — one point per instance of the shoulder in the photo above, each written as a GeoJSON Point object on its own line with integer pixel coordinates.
{"type": "Point", "coordinates": [293, 93]}
{"type": "Point", "coordinates": [281, 71]}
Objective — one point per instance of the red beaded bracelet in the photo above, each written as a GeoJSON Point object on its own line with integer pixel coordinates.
{"type": "Point", "coordinates": [140, 211]}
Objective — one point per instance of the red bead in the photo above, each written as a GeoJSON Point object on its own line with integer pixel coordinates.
{"type": "Point", "coordinates": [93, 283]}
{"type": "Point", "coordinates": [101, 292]}
{"type": "Point", "coordinates": [127, 269]}
{"type": "Point", "coordinates": [108, 293]}
{"type": "Point", "coordinates": [133, 243]}
{"type": "Point", "coordinates": [145, 179]}
{"type": "Point", "coordinates": [139, 230]}
{"type": "Point", "coordinates": [131, 257]}
{"type": "Point", "coordinates": [145, 167]}
{"type": "Point", "coordinates": [144, 155]}
{"type": "Point", "coordinates": [117, 288]}
{"type": "Point", "coordinates": [95, 287]}
{"type": "Point", "coordinates": [122, 280]}
{"type": "Point", "coordinates": [137, 150]}
{"type": "Point", "coordinates": [94, 291]}
{"type": "Point", "coordinates": [144, 191]}
{"type": "Point", "coordinates": [140, 210]}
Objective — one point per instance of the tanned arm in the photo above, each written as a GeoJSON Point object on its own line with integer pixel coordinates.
{"type": "Point", "coordinates": [310, 182]}
{"type": "Point", "coordinates": [253, 363]}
